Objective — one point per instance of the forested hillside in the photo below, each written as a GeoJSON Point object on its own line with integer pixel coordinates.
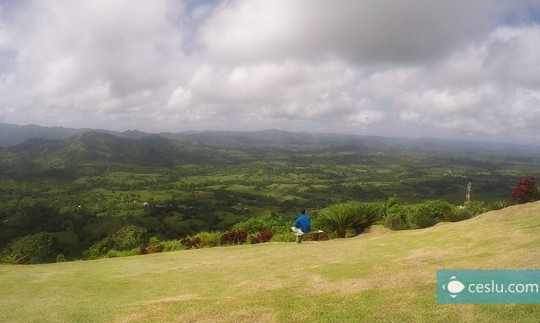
{"type": "Point", "coordinates": [89, 185]}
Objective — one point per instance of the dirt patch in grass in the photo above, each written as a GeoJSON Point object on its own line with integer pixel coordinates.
{"type": "Point", "coordinates": [377, 229]}
{"type": "Point", "coordinates": [264, 283]}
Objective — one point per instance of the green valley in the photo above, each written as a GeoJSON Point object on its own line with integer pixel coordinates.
{"type": "Point", "coordinates": [89, 185]}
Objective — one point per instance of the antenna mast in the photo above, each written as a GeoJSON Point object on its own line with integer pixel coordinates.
{"type": "Point", "coordinates": [468, 195]}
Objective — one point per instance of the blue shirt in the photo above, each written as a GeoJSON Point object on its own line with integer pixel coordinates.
{"type": "Point", "coordinates": [304, 223]}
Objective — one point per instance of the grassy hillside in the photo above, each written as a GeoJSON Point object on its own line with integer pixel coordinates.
{"type": "Point", "coordinates": [379, 276]}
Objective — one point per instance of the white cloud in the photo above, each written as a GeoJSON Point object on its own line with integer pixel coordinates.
{"type": "Point", "coordinates": [420, 67]}
{"type": "Point", "coordinates": [180, 98]}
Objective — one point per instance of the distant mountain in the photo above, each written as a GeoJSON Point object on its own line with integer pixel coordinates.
{"type": "Point", "coordinates": [11, 135]}
{"type": "Point", "coordinates": [331, 141]}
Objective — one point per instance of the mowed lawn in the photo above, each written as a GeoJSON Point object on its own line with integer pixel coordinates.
{"type": "Point", "coordinates": [379, 276]}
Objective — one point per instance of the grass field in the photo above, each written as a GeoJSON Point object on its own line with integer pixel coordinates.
{"type": "Point", "coordinates": [382, 276]}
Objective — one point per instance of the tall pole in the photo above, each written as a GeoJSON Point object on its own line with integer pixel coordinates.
{"type": "Point", "coordinates": [468, 195]}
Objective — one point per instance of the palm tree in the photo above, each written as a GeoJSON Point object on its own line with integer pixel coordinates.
{"type": "Point", "coordinates": [367, 215]}
{"type": "Point", "coordinates": [339, 218]}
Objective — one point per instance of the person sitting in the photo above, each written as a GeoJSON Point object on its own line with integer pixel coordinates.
{"type": "Point", "coordinates": [302, 226]}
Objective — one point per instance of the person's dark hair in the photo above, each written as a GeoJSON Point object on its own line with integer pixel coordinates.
{"type": "Point", "coordinates": [303, 211]}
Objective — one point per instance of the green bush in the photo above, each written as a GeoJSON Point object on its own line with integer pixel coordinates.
{"type": "Point", "coordinates": [282, 223]}
{"type": "Point", "coordinates": [209, 239]}
{"type": "Point", "coordinates": [128, 237]}
{"type": "Point", "coordinates": [284, 237]}
{"type": "Point", "coordinates": [396, 217]}
{"type": "Point", "coordinates": [128, 253]}
{"type": "Point", "coordinates": [535, 196]}
{"type": "Point", "coordinates": [112, 254]}
{"type": "Point", "coordinates": [8, 260]}
{"type": "Point", "coordinates": [94, 252]}
{"type": "Point", "coordinates": [251, 225]}
{"type": "Point", "coordinates": [459, 214]}
{"type": "Point", "coordinates": [367, 215]}
{"type": "Point", "coordinates": [339, 218]}
{"type": "Point", "coordinates": [171, 245]}
{"type": "Point", "coordinates": [498, 205]}
{"type": "Point", "coordinates": [419, 220]}
{"type": "Point", "coordinates": [429, 213]}
{"type": "Point", "coordinates": [60, 258]}
{"type": "Point", "coordinates": [476, 207]}
{"type": "Point", "coordinates": [36, 248]}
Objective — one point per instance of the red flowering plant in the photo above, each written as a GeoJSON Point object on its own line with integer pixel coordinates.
{"type": "Point", "coordinates": [318, 236]}
{"type": "Point", "coordinates": [233, 237]}
{"type": "Point", "coordinates": [262, 236]}
{"type": "Point", "coordinates": [523, 191]}
{"type": "Point", "coordinates": [190, 243]}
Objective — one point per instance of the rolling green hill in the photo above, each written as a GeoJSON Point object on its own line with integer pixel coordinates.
{"type": "Point", "coordinates": [86, 186]}
{"type": "Point", "coordinates": [381, 276]}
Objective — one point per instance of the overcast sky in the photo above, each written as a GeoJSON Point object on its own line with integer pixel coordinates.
{"type": "Point", "coordinates": [437, 68]}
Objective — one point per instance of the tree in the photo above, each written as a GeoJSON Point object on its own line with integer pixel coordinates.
{"type": "Point", "coordinates": [128, 237]}
{"type": "Point", "coordinates": [523, 191]}
{"type": "Point", "coordinates": [35, 248]}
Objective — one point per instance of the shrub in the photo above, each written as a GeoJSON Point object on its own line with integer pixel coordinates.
{"type": "Point", "coordinates": [535, 194]}
{"type": "Point", "coordinates": [262, 236]}
{"type": "Point", "coordinates": [36, 248]}
{"type": "Point", "coordinates": [154, 249]}
{"type": "Point", "coordinates": [128, 237]}
{"type": "Point", "coordinates": [112, 254]}
{"type": "Point", "coordinates": [92, 253]}
{"type": "Point", "coordinates": [233, 237]}
{"type": "Point", "coordinates": [124, 253]}
{"type": "Point", "coordinates": [339, 218]}
{"type": "Point", "coordinates": [367, 215]}
{"type": "Point", "coordinates": [155, 245]}
{"type": "Point", "coordinates": [210, 239]}
{"type": "Point", "coordinates": [429, 213]}
{"type": "Point", "coordinates": [396, 217]}
{"type": "Point", "coordinates": [8, 260]}
{"type": "Point", "coordinates": [284, 237]}
{"type": "Point", "coordinates": [251, 225]}
{"type": "Point", "coordinates": [420, 218]}
{"type": "Point", "coordinates": [476, 207]}
{"type": "Point", "coordinates": [60, 258]}
{"type": "Point", "coordinates": [501, 204]}
{"type": "Point", "coordinates": [281, 223]}
{"type": "Point", "coordinates": [190, 243]}
{"type": "Point", "coordinates": [318, 236]}
{"type": "Point", "coordinates": [459, 214]}
{"type": "Point", "coordinates": [171, 245]}
{"type": "Point", "coordinates": [523, 191]}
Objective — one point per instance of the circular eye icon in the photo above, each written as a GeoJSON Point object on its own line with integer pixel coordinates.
{"type": "Point", "coordinates": [454, 286]}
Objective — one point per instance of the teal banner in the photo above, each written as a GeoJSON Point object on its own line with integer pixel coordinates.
{"type": "Point", "coordinates": [488, 286]}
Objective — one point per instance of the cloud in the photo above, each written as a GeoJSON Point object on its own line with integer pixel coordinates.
{"type": "Point", "coordinates": [66, 50]}
{"type": "Point", "coordinates": [491, 86]}
{"type": "Point", "coordinates": [392, 31]}
{"type": "Point", "coordinates": [413, 68]}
